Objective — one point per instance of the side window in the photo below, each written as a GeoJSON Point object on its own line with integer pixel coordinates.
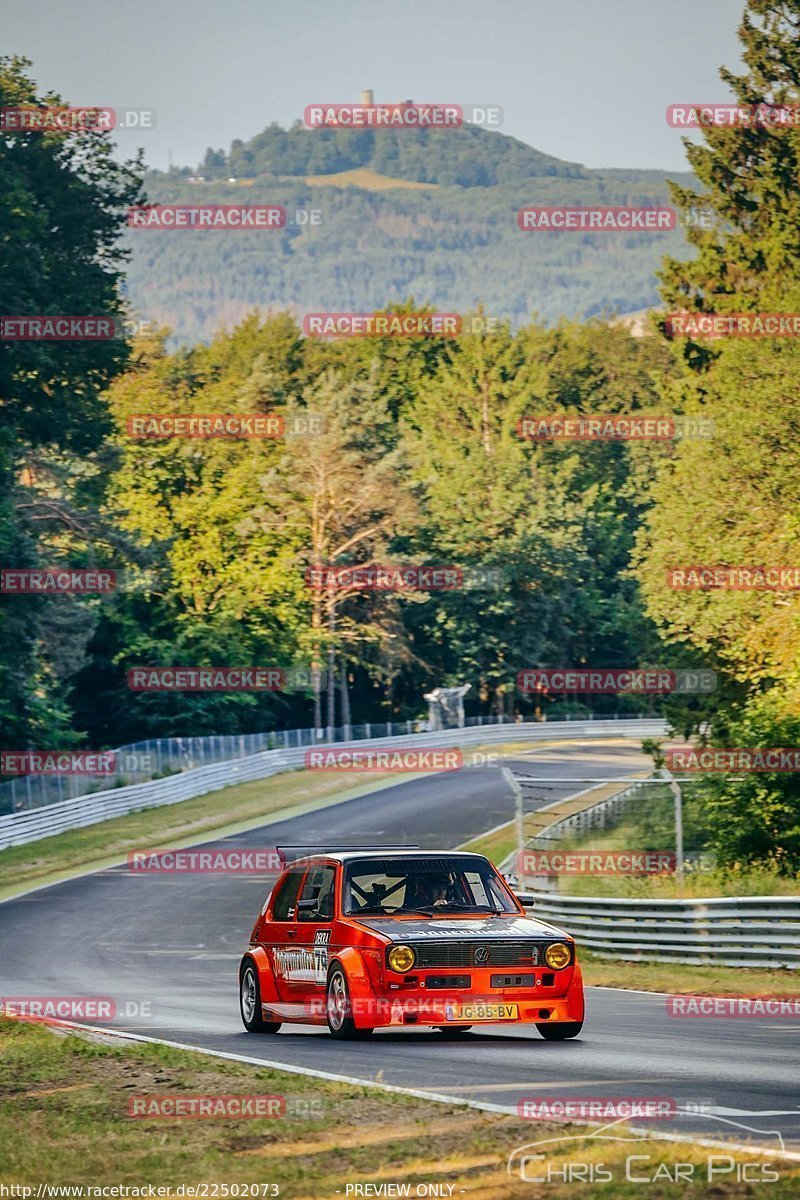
{"type": "Point", "coordinates": [319, 887]}
{"type": "Point", "coordinates": [285, 902]}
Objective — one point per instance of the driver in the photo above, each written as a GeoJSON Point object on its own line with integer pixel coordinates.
{"type": "Point", "coordinates": [432, 890]}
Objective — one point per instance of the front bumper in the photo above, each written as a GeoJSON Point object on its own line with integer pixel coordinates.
{"type": "Point", "coordinates": [554, 996]}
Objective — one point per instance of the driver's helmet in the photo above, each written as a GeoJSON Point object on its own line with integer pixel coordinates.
{"type": "Point", "coordinates": [433, 888]}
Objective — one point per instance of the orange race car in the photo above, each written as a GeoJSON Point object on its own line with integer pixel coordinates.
{"type": "Point", "coordinates": [362, 939]}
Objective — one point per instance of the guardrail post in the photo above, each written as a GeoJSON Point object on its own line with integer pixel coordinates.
{"type": "Point", "coordinates": [516, 791]}
{"type": "Point", "coordinates": [678, 797]}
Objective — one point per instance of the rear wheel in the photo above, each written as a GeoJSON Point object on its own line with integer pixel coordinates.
{"type": "Point", "coordinates": [560, 1030]}
{"type": "Point", "coordinates": [250, 1001]}
{"type": "Point", "coordinates": [339, 1008]}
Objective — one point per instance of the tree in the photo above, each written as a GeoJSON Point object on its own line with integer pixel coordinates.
{"type": "Point", "coordinates": [63, 207]}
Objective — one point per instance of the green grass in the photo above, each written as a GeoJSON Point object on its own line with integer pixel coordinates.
{"type": "Point", "coordinates": [686, 978]}
{"type": "Point", "coordinates": [64, 1102]}
{"type": "Point", "coordinates": [244, 805]}
{"type": "Point", "coordinates": [174, 825]}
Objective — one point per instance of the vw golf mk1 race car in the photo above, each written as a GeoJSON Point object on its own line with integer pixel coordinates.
{"type": "Point", "coordinates": [373, 939]}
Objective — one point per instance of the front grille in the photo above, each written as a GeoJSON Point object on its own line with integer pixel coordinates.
{"type": "Point", "coordinates": [477, 954]}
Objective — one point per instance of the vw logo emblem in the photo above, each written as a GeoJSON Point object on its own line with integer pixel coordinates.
{"type": "Point", "coordinates": [482, 954]}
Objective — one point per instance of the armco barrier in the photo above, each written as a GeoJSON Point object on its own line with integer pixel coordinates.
{"type": "Point", "coordinates": [748, 931]}
{"type": "Point", "coordinates": [30, 826]}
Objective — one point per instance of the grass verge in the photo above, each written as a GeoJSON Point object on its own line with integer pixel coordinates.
{"type": "Point", "coordinates": [64, 1103]}
{"type": "Point", "coordinates": [232, 810]}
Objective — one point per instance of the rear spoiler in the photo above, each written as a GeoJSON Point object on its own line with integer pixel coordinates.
{"type": "Point", "coordinates": [293, 853]}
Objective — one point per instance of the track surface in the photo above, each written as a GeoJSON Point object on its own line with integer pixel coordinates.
{"type": "Point", "coordinates": [174, 942]}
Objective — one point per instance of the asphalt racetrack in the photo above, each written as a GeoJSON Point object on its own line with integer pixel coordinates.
{"type": "Point", "coordinates": [173, 942]}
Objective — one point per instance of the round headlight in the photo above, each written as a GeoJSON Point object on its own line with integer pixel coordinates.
{"type": "Point", "coordinates": [401, 958]}
{"type": "Point", "coordinates": [557, 955]}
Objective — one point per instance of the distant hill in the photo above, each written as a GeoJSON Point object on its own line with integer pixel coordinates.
{"type": "Point", "coordinates": [462, 157]}
{"type": "Point", "coordinates": [453, 243]}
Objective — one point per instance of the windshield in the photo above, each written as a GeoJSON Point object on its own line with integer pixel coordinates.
{"type": "Point", "coordinates": [429, 886]}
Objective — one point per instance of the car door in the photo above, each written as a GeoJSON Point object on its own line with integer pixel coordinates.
{"type": "Point", "coordinates": [315, 914]}
{"type": "Point", "coordinates": [281, 932]}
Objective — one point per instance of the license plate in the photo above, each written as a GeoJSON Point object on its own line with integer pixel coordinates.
{"type": "Point", "coordinates": [481, 1012]}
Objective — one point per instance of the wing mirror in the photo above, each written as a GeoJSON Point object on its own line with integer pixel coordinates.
{"type": "Point", "coordinates": [526, 899]}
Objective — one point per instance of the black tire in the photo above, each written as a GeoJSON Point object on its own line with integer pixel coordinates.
{"type": "Point", "coordinates": [338, 1007]}
{"type": "Point", "coordinates": [560, 1030]}
{"type": "Point", "coordinates": [453, 1031]}
{"type": "Point", "coordinates": [250, 1001]}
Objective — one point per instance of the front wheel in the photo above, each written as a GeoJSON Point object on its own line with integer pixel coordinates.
{"type": "Point", "coordinates": [559, 1030]}
{"type": "Point", "coordinates": [250, 1002]}
{"type": "Point", "coordinates": [339, 1009]}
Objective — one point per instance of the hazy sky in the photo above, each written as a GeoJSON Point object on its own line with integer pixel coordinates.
{"type": "Point", "coordinates": [586, 80]}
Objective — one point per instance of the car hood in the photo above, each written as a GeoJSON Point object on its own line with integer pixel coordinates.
{"type": "Point", "coordinates": [463, 929]}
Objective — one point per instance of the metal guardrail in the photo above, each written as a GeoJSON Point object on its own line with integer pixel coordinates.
{"type": "Point", "coordinates": [29, 826]}
{"type": "Point", "coordinates": [744, 931]}
{"type": "Point", "coordinates": [139, 762]}
{"type": "Point", "coordinates": [747, 931]}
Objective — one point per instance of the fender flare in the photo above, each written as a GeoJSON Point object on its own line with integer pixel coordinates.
{"type": "Point", "coordinates": [362, 995]}
{"type": "Point", "coordinates": [266, 980]}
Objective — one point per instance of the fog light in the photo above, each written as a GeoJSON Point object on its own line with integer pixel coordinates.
{"type": "Point", "coordinates": [401, 958]}
{"type": "Point", "coordinates": [557, 955]}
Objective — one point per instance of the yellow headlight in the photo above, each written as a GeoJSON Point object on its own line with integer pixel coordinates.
{"type": "Point", "coordinates": [557, 955]}
{"type": "Point", "coordinates": [401, 958]}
